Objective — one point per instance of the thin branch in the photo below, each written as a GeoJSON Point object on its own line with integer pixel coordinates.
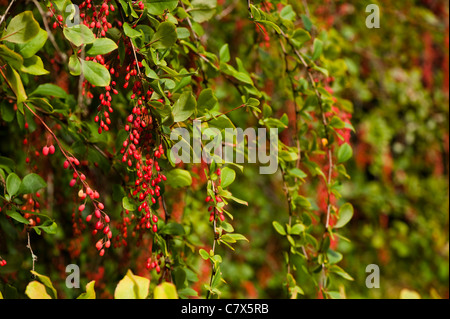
{"type": "Point", "coordinates": [33, 256]}
{"type": "Point", "coordinates": [6, 12]}
{"type": "Point", "coordinates": [197, 39]}
{"type": "Point", "coordinates": [49, 32]}
{"type": "Point", "coordinates": [214, 270]}
{"type": "Point", "coordinates": [80, 85]}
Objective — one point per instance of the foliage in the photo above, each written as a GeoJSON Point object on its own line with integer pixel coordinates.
{"type": "Point", "coordinates": [88, 112]}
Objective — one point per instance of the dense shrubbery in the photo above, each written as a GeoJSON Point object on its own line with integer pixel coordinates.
{"type": "Point", "coordinates": [88, 114]}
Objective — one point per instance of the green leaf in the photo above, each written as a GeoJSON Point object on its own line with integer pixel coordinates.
{"type": "Point", "coordinates": [32, 183]}
{"type": "Point", "coordinates": [79, 34]}
{"type": "Point", "coordinates": [296, 172]}
{"type": "Point", "coordinates": [225, 53]}
{"type": "Point", "coordinates": [204, 254]}
{"type": "Point", "coordinates": [306, 22]}
{"type": "Point", "coordinates": [166, 290]}
{"type": "Point", "coordinates": [300, 37]}
{"type": "Point", "coordinates": [345, 215]}
{"type": "Point", "coordinates": [228, 175]}
{"type": "Point", "coordinates": [165, 36]}
{"type": "Point", "coordinates": [101, 46]}
{"type": "Point", "coordinates": [14, 59]}
{"type": "Point", "coordinates": [340, 272]}
{"type": "Point", "coordinates": [237, 237]}
{"type": "Point", "coordinates": [7, 163]}
{"type": "Point", "coordinates": [297, 229]}
{"type": "Point", "coordinates": [47, 282]}
{"type": "Point", "coordinates": [302, 201]}
{"type": "Point", "coordinates": [49, 229]}
{"type": "Point", "coordinates": [12, 184]}
{"type": "Point", "coordinates": [96, 73]}
{"type": "Point", "coordinates": [17, 216]}
{"type": "Point", "coordinates": [36, 290]}
{"type": "Point", "coordinates": [7, 111]}
{"type": "Point", "coordinates": [132, 287]}
{"type": "Point", "coordinates": [345, 152]}
{"type": "Point", "coordinates": [317, 49]}
{"type": "Point", "coordinates": [49, 89]}
{"type": "Point", "coordinates": [239, 201]}
{"type": "Point", "coordinates": [279, 228]}
{"type": "Point", "coordinates": [128, 205]}
{"type": "Point", "coordinates": [184, 107]}
{"type": "Point", "coordinates": [130, 32]}
{"type": "Point", "coordinates": [90, 291]}
{"type": "Point", "coordinates": [74, 65]}
{"type": "Point", "coordinates": [16, 84]}
{"type": "Point", "coordinates": [179, 178]}
{"type": "Point", "coordinates": [173, 229]}
{"type": "Point", "coordinates": [288, 13]}
{"type": "Point", "coordinates": [156, 7]}
{"type": "Point", "coordinates": [183, 33]}
{"type": "Point", "coordinates": [270, 24]}
{"type": "Point", "coordinates": [336, 122]}
{"type": "Point", "coordinates": [254, 102]}
{"type": "Point", "coordinates": [203, 10]}
{"type": "Point", "coordinates": [34, 65]}
{"type": "Point", "coordinates": [30, 48]}
{"type": "Point", "coordinates": [207, 100]}
{"type": "Point", "coordinates": [333, 256]}
{"type": "Point", "coordinates": [21, 29]}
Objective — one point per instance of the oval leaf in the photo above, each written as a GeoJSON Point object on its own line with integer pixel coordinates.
{"type": "Point", "coordinates": [102, 46]}
{"type": "Point", "coordinates": [22, 28]}
{"type": "Point", "coordinates": [79, 34]}
{"type": "Point", "coordinates": [12, 184]}
{"type": "Point", "coordinates": [345, 152]}
{"type": "Point", "coordinates": [279, 228]}
{"type": "Point", "coordinates": [228, 176]}
{"type": "Point", "coordinates": [95, 73]}
{"type": "Point", "coordinates": [345, 215]}
{"type": "Point", "coordinates": [179, 178]}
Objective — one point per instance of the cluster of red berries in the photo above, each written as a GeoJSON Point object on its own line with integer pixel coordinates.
{"type": "Point", "coordinates": [214, 210]}
{"type": "Point", "coordinates": [86, 191]}
{"type": "Point", "coordinates": [156, 264]}
{"type": "Point", "coordinates": [30, 207]}
{"type": "Point", "coordinates": [102, 221]}
{"type": "Point", "coordinates": [2, 262]}
{"type": "Point", "coordinates": [48, 150]}
{"type": "Point", "coordinates": [97, 20]}
{"type": "Point", "coordinates": [137, 155]}
{"type": "Point", "coordinates": [148, 171]}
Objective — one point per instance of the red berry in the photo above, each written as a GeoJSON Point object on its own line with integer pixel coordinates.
{"type": "Point", "coordinates": [66, 164]}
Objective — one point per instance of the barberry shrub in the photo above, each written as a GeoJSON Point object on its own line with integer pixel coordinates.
{"type": "Point", "coordinates": [91, 95]}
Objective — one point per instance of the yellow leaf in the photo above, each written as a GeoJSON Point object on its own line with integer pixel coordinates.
{"type": "Point", "coordinates": [46, 281]}
{"type": "Point", "coordinates": [409, 294]}
{"type": "Point", "coordinates": [165, 290]}
{"type": "Point", "coordinates": [36, 290]}
{"type": "Point", "coordinates": [132, 287]}
{"type": "Point", "coordinates": [90, 292]}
